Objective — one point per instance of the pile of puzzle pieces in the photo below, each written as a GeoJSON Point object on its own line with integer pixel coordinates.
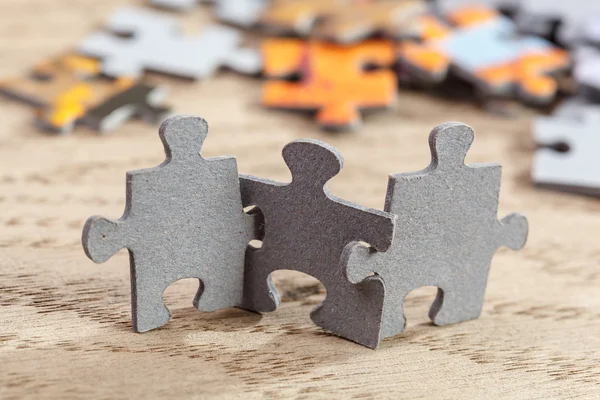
{"type": "Point", "coordinates": [186, 219]}
{"type": "Point", "coordinates": [335, 58]}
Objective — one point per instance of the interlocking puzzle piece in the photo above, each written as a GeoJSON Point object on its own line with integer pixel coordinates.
{"type": "Point", "coordinates": [567, 159]}
{"type": "Point", "coordinates": [298, 17]}
{"type": "Point", "coordinates": [154, 43]}
{"type": "Point", "coordinates": [484, 48]}
{"type": "Point", "coordinates": [333, 80]}
{"type": "Point", "coordinates": [69, 91]}
{"type": "Point", "coordinates": [307, 229]}
{"type": "Point", "coordinates": [449, 234]}
{"type": "Point", "coordinates": [358, 21]}
{"type": "Point", "coordinates": [237, 12]}
{"type": "Point", "coordinates": [543, 17]}
{"type": "Point", "coordinates": [444, 6]}
{"type": "Point", "coordinates": [183, 219]}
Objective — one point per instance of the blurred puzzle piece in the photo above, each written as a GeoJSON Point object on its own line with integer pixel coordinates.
{"type": "Point", "coordinates": [486, 50]}
{"type": "Point", "coordinates": [448, 231]}
{"type": "Point", "coordinates": [297, 17]}
{"type": "Point", "coordinates": [244, 13]}
{"type": "Point", "coordinates": [69, 91]}
{"type": "Point", "coordinates": [142, 40]}
{"type": "Point", "coordinates": [567, 159]}
{"type": "Point", "coordinates": [332, 79]}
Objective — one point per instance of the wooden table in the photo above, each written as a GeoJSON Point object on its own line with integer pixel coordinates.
{"type": "Point", "coordinates": [65, 327]}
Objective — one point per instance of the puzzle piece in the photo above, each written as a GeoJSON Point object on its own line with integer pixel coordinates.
{"type": "Point", "coordinates": [298, 17]}
{"type": "Point", "coordinates": [69, 91]}
{"type": "Point", "coordinates": [358, 21]}
{"type": "Point", "coordinates": [306, 230]}
{"type": "Point", "coordinates": [332, 82]}
{"type": "Point", "coordinates": [575, 168]}
{"type": "Point", "coordinates": [155, 44]}
{"type": "Point", "coordinates": [561, 18]}
{"type": "Point", "coordinates": [485, 49]}
{"type": "Point", "coordinates": [243, 13]}
{"type": "Point", "coordinates": [183, 219]}
{"type": "Point", "coordinates": [449, 233]}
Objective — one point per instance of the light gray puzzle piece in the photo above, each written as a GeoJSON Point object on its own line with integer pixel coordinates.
{"type": "Point", "coordinates": [307, 229]}
{"type": "Point", "coordinates": [448, 236]}
{"type": "Point", "coordinates": [156, 44]}
{"type": "Point", "coordinates": [244, 13]}
{"type": "Point", "coordinates": [536, 16]}
{"type": "Point", "coordinates": [587, 72]}
{"type": "Point", "coordinates": [575, 169]}
{"type": "Point", "coordinates": [183, 219]}
{"type": "Point", "coordinates": [445, 6]}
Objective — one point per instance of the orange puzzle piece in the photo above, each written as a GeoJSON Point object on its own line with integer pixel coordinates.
{"type": "Point", "coordinates": [486, 49]}
{"type": "Point", "coordinates": [332, 81]}
{"type": "Point", "coordinates": [62, 90]}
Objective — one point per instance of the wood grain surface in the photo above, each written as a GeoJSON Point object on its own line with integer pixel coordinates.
{"type": "Point", "coordinates": [65, 328]}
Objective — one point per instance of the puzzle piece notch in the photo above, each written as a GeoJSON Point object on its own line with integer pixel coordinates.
{"type": "Point", "coordinates": [332, 82]}
{"type": "Point", "coordinates": [183, 219]}
{"type": "Point", "coordinates": [576, 126]}
{"type": "Point", "coordinates": [449, 234]}
{"type": "Point", "coordinates": [155, 44]}
{"type": "Point", "coordinates": [484, 48]}
{"type": "Point", "coordinates": [307, 229]}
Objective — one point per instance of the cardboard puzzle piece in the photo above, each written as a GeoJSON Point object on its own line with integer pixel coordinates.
{"type": "Point", "coordinates": [298, 17]}
{"type": "Point", "coordinates": [586, 71]}
{"type": "Point", "coordinates": [183, 219]}
{"type": "Point", "coordinates": [485, 49]}
{"type": "Point", "coordinates": [243, 13]}
{"type": "Point", "coordinates": [444, 6]}
{"type": "Point", "coordinates": [563, 19]}
{"type": "Point", "coordinates": [448, 236]}
{"type": "Point", "coordinates": [69, 91]}
{"type": "Point", "coordinates": [307, 229]}
{"type": "Point", "coordinates": [332, 81]}
{"type": "Point", "coordinates": [361, 20]}
{"type": "Point", "coordinates": [154, 43]}
{"type": "Point", "coordinates": [567, 159]}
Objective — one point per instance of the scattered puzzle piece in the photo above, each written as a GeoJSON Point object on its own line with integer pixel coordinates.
{"type": "Point", "coordinates": [183, 219]}
{"type": "Point", "coordinates": [306, 230]}
{"type": "Point", "coordinates": [358, 21]}
{"type": "Point", "coordinates": [154, 43]}
{"type": "Point", "coordinates": [243, 13]}
{"type": "Point", "coordinates": [448, 236]}
{"type": "Point", "coordinates": [485, 49]}
{"type": "Point", "coordinates": [332, 79]}
{"type": "Point", "coordinates": [568, 156]}
{"type": "Point", "coordinates": [69, 91]}
{"type": "Point", "coordinates": [298, 17]}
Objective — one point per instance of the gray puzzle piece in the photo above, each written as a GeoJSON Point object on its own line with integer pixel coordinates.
{"type": "Point", "coordinates": [183, 219]}
{"type": "Point", "coordinates": [307, 229]}
{"type": "Point", "coordinates": [243, 13]}
{"type": "Point", "coordinates": [449, 234]}
{"type": "Point", "coordinates": [575, 169]}
{"type": "Point", "coordinates": [587, 72]}
{"type": "Point", "coordinates": [154, 43]}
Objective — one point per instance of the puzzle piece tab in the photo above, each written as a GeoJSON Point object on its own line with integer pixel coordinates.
{"type": "Point", "coordinates": [154, 43]}
{"type": "Point", "coordinates": [332, 81]}
{"type": "Point", "coordinates": [307, 229]}
{"type": "Point", "coordinates": [568, 157]}
{"type": "Point", "coordinates": [183, 219]}
{"type": "Point", "coordinates": [69, 91]}
{"type": "Point", "coordinates": [485, 49]}
{"type": "Point", "coordinates": [448, 236]}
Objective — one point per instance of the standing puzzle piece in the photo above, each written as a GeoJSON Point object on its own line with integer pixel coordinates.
{"type": "Point", "coordinates": [332, 79]}
{"type": "Point", "coordinates": [575, 169]}
{"type": "Point", "coordinates": [156, 44]}
{"type": "Point", "coordinates": [360, 20]}
{"type": "Point", "coordinates": [485, 49]}
{"type": "Point", "coordinates": [69, 91]}
{"type": "Point", "coordinates": [238, 12]}
{"type": "Point", "coordinates": [307, 229]}
{"type": "Point", "coordinates": [183, 219]}
{"type": "Point", "coordinates": [449, 234]}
